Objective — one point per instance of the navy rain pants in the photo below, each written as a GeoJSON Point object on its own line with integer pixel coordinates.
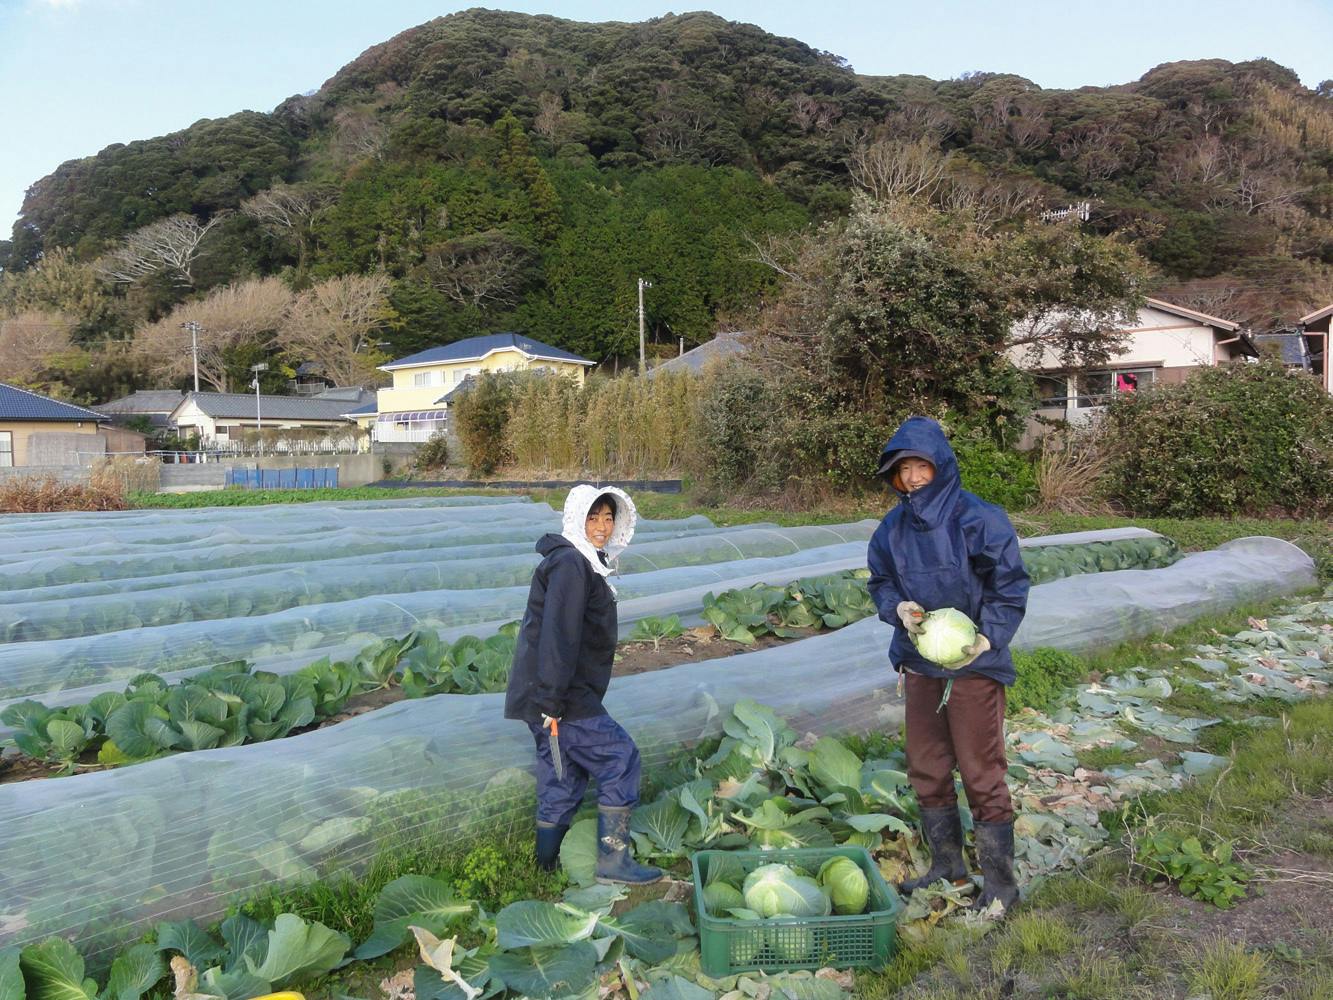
{"type": "Point", "coordinates": [596, 748]}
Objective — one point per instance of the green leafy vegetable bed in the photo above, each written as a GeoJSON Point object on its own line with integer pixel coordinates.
{"type": "Point", "coordinates": [760, 787]}
{"type": "Point", "coordinates": [232, 704]}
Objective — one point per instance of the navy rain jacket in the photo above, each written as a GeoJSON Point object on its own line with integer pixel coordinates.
{"type": "Point", "coordinates": [943, 547]}
{"type": "Point", "coordinates": [567, 642]}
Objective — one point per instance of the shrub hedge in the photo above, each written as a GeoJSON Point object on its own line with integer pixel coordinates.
{"type": "Point", "coordinates": [1236, 439]}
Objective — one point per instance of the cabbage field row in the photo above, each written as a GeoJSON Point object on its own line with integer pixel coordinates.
{"type": "Point", "coordinates": [200, 594]}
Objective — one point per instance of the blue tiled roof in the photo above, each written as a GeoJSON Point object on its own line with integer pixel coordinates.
{"type": "Point", "coordinates": [362, 411]}
{"type": "Point", "coordinates": [1290, 345]}
{"type": "Point", "coordinates": [20, 404]}
{"type": "Point", "coordinates": [474, 348]}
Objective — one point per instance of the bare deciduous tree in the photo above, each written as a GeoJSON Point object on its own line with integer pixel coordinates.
{"type": "Point", "coordinates": [988, 201]}
{"type": "Point", "coordinates": [1223, 300]}
{"type": "Point", "coordinates": [1027, 125]}
{"type": "Point", "coordinates": [813, 115]}
{"type": "Point", "coordinates": [333, 325]}
{"type": "Point", "coordinates": [679, 124]}
{"type": "Point", "coordinates": [550, 117]}
{"type": "Point", "coordinates": [28, 341]}
{"type": "Point", "coordinates": [480, 270]}
{"type": "Point", "coordinates": [170, 246]}
{"type": "Point", "coordinates": [921, 120]}
{"type": "Point", "coordinates": [286, 210]}
{"type": "Point", "coordinates": [358, 134]}
{"type": "Point", "coordinates": [1097, 150]}
{"type": "Point", "coordinates": [890, 168]}
{"type": "Point", "coordinates": [235, 316]}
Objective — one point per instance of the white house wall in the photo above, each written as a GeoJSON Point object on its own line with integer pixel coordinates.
{"type": "Point", "coordinates": [1158, 339]}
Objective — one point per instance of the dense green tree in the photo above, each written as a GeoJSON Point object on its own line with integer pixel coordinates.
{"type": "Point", "coordinates": [614, 151]}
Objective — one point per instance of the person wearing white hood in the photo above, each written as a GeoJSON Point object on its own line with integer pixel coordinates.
{"type": "Point", "coordinates": [562, 666]}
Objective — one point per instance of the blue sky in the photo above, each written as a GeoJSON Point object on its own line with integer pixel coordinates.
{"type": "Point", "coordinates": [77, 75]}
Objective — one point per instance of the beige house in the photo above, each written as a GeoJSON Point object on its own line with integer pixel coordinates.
{"type": "Point", "coordinates": [1165, 343]}
{"type": "Point", "coordinates": [1315, 330]}
{"type": "Point", "coordinates": [36, 430]}
{"type": "Point", "coordinates": [221, 418]}
{"type": "Point", "coordinates": [416, 406]}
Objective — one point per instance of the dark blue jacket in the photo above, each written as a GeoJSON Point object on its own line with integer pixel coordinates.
{"type": "Point", "coordinates": [943, 547]}
{"type": "Point", "coordinates": [567, 642]}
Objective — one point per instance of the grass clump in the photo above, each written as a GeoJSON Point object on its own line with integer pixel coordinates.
{"type": "Point", "coordinates": [1029, 939]}
{"type": "Point", "coordinates": [1225, 970]}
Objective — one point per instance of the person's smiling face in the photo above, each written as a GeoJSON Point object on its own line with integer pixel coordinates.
{"type": "Point", "coordinates": [914, 473]}
{"type": "Point", "coordinates": [599, 525]}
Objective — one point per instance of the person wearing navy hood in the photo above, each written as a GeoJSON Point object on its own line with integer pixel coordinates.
{"type": "Point", "coordinates": [943, 547]}
{"type": "Point", "coordinates": [562, 667]}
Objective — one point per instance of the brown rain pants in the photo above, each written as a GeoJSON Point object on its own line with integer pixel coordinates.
{"type": "Point", "coordinates": [967, 734]}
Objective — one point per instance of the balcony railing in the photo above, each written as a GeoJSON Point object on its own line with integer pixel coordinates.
{"type": "Point", "coordinates": [413, 433]}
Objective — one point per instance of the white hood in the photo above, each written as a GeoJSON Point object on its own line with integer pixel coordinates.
{"type": "Point", "coordinates": [575, 530]}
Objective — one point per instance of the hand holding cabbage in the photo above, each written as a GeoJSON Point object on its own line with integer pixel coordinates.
{"type": "Point", "coordinates": [949, 639]}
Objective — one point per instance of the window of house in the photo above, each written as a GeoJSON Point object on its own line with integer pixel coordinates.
{"type": "Point", "coordinates": [422, 378]}
{"type": "Point", "coordinates": [6, 449]}
{"type": "Point", "coordinates": [459, 375]}
{"type": "Point", "coordinates": [1051, 391]}
{"type": "Point", "coordinates": [1134, 380]}
{"type": "Point", "coordinates": [1097, 388]}
{"type": "Point", "coordinates": [1094, 388]}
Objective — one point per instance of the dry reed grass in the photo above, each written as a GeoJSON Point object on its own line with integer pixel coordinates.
{"type": "Point", "coordinates": [46, 494]}
{"type": "Point", "coordinates": [133, 474]}
{"type": "Point", "coordinates": [609, 428]}
{"type": "Point", "coordinates": [1071, 473]}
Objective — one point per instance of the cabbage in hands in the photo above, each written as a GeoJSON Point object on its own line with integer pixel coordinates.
{"type": "Point", "coordinates": [846, 885]}
{"type": "Point", "coordinates": [775, 890]}
{"type": "Point", "coordinates": [945, 635]}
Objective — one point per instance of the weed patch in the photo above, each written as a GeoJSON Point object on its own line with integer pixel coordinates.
{"type": "Point", "coordinates": [1225, 970]}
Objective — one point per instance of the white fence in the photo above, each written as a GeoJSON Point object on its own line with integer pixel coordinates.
{"type": "Point", "coordinates": [411, 435]}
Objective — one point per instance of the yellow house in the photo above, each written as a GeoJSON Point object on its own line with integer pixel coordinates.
{"type": "Point", "coordinates": [38, 430]}
{"type": "Point", "coordinates": [417, 404]}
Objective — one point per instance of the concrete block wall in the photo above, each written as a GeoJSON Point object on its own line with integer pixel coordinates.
{"type": "Point", "coordinates": [56, 448]}
{"type": "Point", "coordinates": [65, 473]}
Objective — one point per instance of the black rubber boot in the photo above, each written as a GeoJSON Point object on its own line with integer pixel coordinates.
{"type": "Point", "coordinates": [944, 834]}
{"type": "Point", "coordinates": [995, 855]}
{"type": "Point", "coordinates": [549, 838]}
{"type": "Point", "coordinates": [615, 864]}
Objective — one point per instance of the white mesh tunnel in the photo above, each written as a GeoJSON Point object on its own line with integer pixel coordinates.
{"type": "Point", "coordinates": [99, 856]}
{"type": "Point", "coordinates": [47, 666]}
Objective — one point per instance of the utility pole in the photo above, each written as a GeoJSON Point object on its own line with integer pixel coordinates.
{"type": "Point", "coordinates": [643, 366]}
{"type": "Point", "coordinates": [194, 329]}
{"type": "Point", "coordinates": [259, 420]}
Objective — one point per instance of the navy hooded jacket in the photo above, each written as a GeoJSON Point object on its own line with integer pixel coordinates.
{"type": "Point", "coordinates": [567, 642]}
{"type": "Point", "coordinates": [943, 547]}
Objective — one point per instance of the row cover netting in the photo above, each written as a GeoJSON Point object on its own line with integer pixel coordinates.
{"type": "Point", "coordinates": [99, 856]}
{"type": "Point", "coordinates": [264, 591]}
{"type": "Point", "coordinates": [85, 607]}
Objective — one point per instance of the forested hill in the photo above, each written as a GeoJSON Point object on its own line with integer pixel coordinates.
{"type": "Point", "coordinates": [508, 170]}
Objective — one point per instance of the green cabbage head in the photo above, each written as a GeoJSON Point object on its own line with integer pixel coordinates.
{"type": "Point", "coordinates": [720, 897]}
{"type": "Point", "coordinates": [792, 944]}
{"type": "Point", "coordinates": [775, 890]}
{"type": "Point", "coordinates": [944, 635]}
{"type": "Point", "coordinates": [846, 885]}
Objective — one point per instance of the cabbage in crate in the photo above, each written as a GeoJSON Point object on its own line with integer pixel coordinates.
{"type": "Point", "coordinates": [775, 890]}
{"type": "Point", "coordinates": [945, 634]}
{"type": "Point", "coordinates": [846, 885]}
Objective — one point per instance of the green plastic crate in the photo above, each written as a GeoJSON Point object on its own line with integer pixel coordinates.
{"type": "Point", "coordinates": [865, 940]}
